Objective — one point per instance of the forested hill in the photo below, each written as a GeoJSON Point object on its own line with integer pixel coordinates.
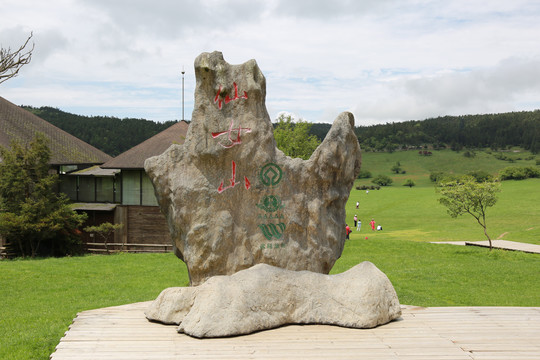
{"type": "Point", "coordinates": [497, 131]}
{"type": "Point", "coordinates": [109, 134]}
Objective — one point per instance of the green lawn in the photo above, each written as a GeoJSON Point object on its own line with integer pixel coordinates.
{"type": "Point", "coordinates": [415, 214]}
{"type": "Point", "coordinates": [41, 297]}
{"type": "Point", "coordinates": [427, 274]}
{"type": "Point", "coordinates": [418, 168]}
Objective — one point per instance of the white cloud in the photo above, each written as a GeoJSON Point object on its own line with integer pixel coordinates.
{"type": "Point", "coordinates": [383, 60]}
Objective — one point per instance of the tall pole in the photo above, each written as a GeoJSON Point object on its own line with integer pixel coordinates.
{"type": "Point", "coordinates": [183, 72]}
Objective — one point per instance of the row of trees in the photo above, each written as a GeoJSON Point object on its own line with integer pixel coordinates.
{"type": "Point", "coordinates": [111, 135]}
{"type": "Point", "coordinates": [497, 131]}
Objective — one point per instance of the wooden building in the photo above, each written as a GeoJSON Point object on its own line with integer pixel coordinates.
{"type": "Point", "coordinates": [68, 153]}
{"type": "Point", "coordinates": [129, 196]}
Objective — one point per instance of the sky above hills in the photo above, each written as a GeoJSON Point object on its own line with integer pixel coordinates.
{"type": "Point", "coordinates": [383, 60]}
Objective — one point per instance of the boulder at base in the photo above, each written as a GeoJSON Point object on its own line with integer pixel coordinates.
{"type": "Point", "coordinates": [265, 297]}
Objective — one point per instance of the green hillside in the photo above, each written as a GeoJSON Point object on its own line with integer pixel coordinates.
{"type": "Point", "coordinates": [414, 214]}
{"type": "Point", "coordinates": [419, 167]}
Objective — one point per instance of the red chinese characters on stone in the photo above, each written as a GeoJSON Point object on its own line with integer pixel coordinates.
{"type": "Point", "coordinates": [233, 182]}
{"type": "Point", "coordinates": [219, 101]}
{"type": "Point", "coordinates": [231, 139]}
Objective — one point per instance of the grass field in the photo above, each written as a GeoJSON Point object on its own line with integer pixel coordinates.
{"type": "Point", "coordinates": [415, 214]}
{"type": "Point", "coordinates": [41, 297]}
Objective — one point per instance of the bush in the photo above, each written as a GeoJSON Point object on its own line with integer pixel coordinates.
{"type": "Point", "coordinates": [364, 174]}
{"type": "Point", "coordinates": [436, 176]}
{"type": "Point", "coordinates": [409, 183]}
{"type": "Point", "coordinates": [439, 176]}
{"type": "Point", "coordinates": [519, 173]}
{"type": "Point", "coordinates": [382, 180]}
{"type": "Point", "coordinates": [480, 175]}
{"type": "Point", "coordinates": [367, 187]}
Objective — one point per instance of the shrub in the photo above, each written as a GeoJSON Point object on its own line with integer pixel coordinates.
{"type": "Point", "coordinates": [382, 180]}
{"type": "Point", "coordinates": [367, 187]}
{"type": "Point", "coordinates": [436, 176]}
{"type": "Point", "coordinates": [519, 173]}
{"type": "Point", "coordinates": [409, 183]}
{"type": "Point", "coordinates": [364, 174]}
{"type": "Point", "coordinates": [480, 175]}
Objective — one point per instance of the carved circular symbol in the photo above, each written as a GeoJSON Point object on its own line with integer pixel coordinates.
{"type": "Point", "coordinates": [270, 174]}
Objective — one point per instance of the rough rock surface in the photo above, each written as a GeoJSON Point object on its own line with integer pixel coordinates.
{"type": "Point", "coordinates": [265, 297]}
{"type": "Point", "coordinates": [233, 200]}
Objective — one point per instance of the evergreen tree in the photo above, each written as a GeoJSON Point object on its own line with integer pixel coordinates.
{"type": "Point", "coordinates": [33, 212]}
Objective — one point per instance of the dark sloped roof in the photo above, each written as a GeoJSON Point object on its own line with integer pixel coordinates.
{"type": "Point", "coordinates": [134, 158]}
{"type": "Point", "coordinates": [21, 125]}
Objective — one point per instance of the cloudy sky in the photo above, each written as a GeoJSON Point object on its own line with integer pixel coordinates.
{"type": "Point", "coordinates": [383, 60]}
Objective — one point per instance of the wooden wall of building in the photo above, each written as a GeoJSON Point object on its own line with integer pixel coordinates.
{"type": "Point", "coordinates": [145, 229]}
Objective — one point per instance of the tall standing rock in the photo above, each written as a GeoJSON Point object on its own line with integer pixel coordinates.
{"type": "Point", "coordinates": [233, 200]}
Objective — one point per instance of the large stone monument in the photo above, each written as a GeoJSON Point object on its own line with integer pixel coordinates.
{"type": "Point", "coordinates": [233, 200]}
{"type": "Point", "coordinates": [259, 230]}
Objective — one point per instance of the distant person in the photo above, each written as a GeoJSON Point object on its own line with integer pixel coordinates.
{"type": "Point", "coordinates": [372, 223]}
{"type": "Point", "coordinates": [379, 228]}
{"type": "Point", "coordinates": [367, 191]}
{"type": "Point", "coordinates": [357, 204]}
{"type": "Point", "coordinates": [347, 231]}
{"type": "Point", "coordinates": [359, 225]}
{"type": "Point", "coordinates": [355, 220]}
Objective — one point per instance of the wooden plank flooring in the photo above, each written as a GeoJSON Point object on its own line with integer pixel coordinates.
{"type": "Point", "coordinates": [497, 244]}
{"type": "Point", "coordinates": [507, 245]}
{"type": "Point", "coordinates": [123, 332]}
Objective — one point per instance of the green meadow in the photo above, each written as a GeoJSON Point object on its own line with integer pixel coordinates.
{"type": "Point", "coordinates": [414, 213]}
{"type": "Point", "coordinates": [41, 297]}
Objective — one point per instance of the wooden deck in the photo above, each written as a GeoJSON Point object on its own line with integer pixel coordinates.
{"type": "Point", "coordinates": [122, 332]}
{"type": "Point", "coordinates": [497, 244]}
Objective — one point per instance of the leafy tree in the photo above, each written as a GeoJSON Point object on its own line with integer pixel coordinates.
{"type": "Point", "coordinates": [294, 139]}
{"type": "Point", "coordinates": [104, 230]}
{"type": "Point", "coordinates": [466, 196]}
{"type": "Point", "coordinates": [12, 61]}
{"type": "Point", "coordinates": [480, 175]}
{"type": "Point", "coordinates": [364, 174]}
{"type": "Point", "coordinates": [382, 180]}
{"type": "Point", "coordinates": [409, 183]}
{"type": "Point", "coordinates": [396, 168]}
{"type": "Point", "coordinates": [33, 212]}
{"type": "Point", "coordinates": [519, 173]}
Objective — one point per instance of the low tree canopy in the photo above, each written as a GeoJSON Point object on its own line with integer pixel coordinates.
{"type": "Point", "coordinates": [382, 180]}
{"type": "Point", "coordinates": [409, 182]}
{"type": "Point", "coordinates": [33, 213]}
{"type": "Point", "coordinates": [294, 139]}
{"type": "Point", "coordinates": [467, 196]}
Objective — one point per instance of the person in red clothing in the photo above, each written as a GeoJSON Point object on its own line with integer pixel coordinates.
{"type": "Point", "coordinates": [372, 223]}
{"type": "Point", "coordinates": [347, 231]}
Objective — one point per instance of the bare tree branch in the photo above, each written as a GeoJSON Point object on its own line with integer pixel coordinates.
{"type": "Point", "coordinates": [12, 61]}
